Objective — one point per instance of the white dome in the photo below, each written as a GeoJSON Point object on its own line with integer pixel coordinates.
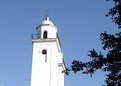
{"type": "Point", "coordinates": [47, 22]}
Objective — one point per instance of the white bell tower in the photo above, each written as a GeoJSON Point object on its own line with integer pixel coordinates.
{"type": "Point", "coordinates": [47, 58]}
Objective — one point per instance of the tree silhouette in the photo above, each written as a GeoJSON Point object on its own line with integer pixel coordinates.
{"type": "Point", "coordinates": [109, 62]}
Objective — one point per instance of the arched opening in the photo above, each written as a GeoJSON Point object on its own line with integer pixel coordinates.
{"type": "Point", "coordinates": [45, 34]}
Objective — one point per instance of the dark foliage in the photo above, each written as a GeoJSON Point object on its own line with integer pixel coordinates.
{"type": "Point", "coordinates": [115, 12]}
{"type": "Point", "coordinates": [111, 61]}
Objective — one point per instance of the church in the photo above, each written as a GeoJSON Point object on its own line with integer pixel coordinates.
{"type": "Point", "coordinates": [47, 56]}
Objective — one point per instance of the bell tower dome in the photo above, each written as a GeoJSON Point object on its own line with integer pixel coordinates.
{"type": "Point", "coordinates": [47, 29]}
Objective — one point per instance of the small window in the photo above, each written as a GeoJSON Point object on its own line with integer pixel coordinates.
{"type": "Point", "coordinates": [45, 34]}
{"type": "Point", "coordinates": [44, 52]}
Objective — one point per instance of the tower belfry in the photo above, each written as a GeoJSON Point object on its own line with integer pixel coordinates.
{"type": "Point", "coordinates": [47, 57]}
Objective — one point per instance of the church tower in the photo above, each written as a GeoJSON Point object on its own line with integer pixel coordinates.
{"type": "Point", "coordinates": [47, 58]}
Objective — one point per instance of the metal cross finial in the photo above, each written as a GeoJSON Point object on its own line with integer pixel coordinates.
{"type": "Point", "coordinates": [47, 18]}
{"type": "Point", "coordinates": [47, 13]}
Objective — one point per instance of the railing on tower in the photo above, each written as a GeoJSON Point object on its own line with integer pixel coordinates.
{"type": "Point", "coordinates": [38, 36]}
{"type": "Point", "coordinates": [35, 36]}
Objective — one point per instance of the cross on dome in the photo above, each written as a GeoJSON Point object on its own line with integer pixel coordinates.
{"type": "Point", "coordinates": [47, 21]}
{"type": "Point", "coordinates": [47, 18]}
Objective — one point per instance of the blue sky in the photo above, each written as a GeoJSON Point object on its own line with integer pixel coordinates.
{"type": "Point", "coordinates": [79, 24]}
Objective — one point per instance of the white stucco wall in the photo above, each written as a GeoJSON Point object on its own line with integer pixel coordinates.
{"type": "Point", "coordinates": [47, 72]}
